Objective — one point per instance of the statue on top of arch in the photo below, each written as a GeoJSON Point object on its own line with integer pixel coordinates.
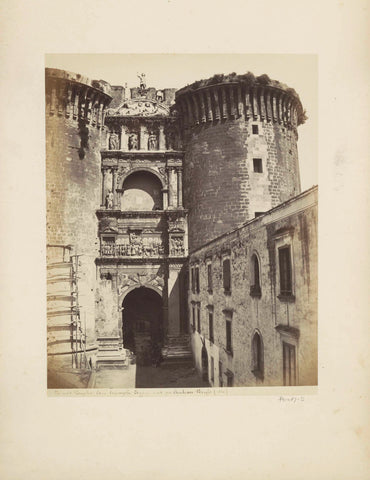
{"type": "Point", "coordinates": [142, 81]}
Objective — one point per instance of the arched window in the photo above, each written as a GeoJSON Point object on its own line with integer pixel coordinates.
{"type": "Point", "coordinates": [255, 289]}
{"type": "Point", "coordinates": [257, 355]}
{"type": "Point", "coordinates": [141, 191]}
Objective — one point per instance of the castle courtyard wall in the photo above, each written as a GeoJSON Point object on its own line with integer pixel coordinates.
{"type": "Point", "coordinates": [292, 320]}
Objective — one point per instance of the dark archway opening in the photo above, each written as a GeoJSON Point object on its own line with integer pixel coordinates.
{"type": "Point", "coordinates": [142, 325]}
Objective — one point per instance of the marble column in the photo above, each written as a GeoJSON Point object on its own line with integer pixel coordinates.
{"type": "Point", "coordinates": [170, 187]}
{"type": "Point", "coordinates": [114, 187]}
{"type": "Point", "coordinates": [165, 198]}
{"type": "Point", "coordinates": [179, 186]}
{"type": "Point", "coordinates": [103, 189]}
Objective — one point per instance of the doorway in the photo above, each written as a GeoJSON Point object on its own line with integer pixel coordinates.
{"type": "Point", "coordinates": [205, 365]}
{"type": "Point", "coordinates": [142, 324]}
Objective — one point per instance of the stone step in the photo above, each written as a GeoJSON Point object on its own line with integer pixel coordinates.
{"type": "Point", "coordinates": [182, 339]}
{"type": "Point", "coordinates": [177, 348]}
{"type": "Point", "coordinates": [177, 354]}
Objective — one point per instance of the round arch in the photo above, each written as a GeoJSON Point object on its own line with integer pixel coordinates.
{"type": "Point", "coordinates": [142, 169]}
{"type": "Point", "coordinates": [123, 295]}
{"type": "Point", "coordinates": [142, 323]}
{"type": "Point", "coordinates": [142, 190]}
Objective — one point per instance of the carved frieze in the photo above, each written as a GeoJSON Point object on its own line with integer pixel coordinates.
{"type": "Point", "coordinates": [177, 247]}
{"type": "Point", "coordinates": [139, 107]}
{"type": "Point", "coordinates": [176, 223]}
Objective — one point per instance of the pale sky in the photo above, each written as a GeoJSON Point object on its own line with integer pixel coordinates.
{"type": "Point", "coordinates": [177, 70]}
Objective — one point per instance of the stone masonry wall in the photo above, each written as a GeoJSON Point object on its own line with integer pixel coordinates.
{"type": "Point", "coordinates": [293, 223]}
{"type": "Point", "coordinates": [73, 178]}
{"type": "Point", "coordinates": [221, 189]}
{"type": "Point", "coordinates": [226, 126]}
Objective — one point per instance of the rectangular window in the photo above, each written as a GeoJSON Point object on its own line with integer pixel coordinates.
{"type": "Point", "coordinates": [210, 319]}
{"type": "Point", "coordinates": [255, 129]}
{"type": "Point", "coordinates": [212, 370]}
{"type": "Point", "coordinates": [285, 268]}
{"type": "Point", "coordinates": [197, 287]}
{"type": "Point", "coordinates": [289, 364]}
{"type": "Point", "coordinates": [227, 276]}
{"type": "Point", "coordinates": [193, 312]}
{"type": "Point", "coordinates": [198, 317]}
{"type": "Point", "coordinates": [209, 277]}
{"type": "Point", "coordinates": [192, 280]}
{"type": "Point", "coordinates": [228, 336]}
{"type": "Point", "coordinates": [257, 165]}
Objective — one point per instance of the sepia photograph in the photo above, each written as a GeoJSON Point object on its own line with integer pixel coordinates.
{"type": "Point", "coordinates": [181, 238]}
{"type": "Point", "coordinates": [184, 240]}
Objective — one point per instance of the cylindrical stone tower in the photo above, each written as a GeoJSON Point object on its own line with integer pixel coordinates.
{"type": "Point", "coordinates": [240, 142]}
{"type": "Point", "coordinates": [74, 128]}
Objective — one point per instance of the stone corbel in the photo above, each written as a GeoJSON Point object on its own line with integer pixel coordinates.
{"type": "Point", "coordinates": [232, 102]}
{"type": "Point", "coordinates": [69, 101]}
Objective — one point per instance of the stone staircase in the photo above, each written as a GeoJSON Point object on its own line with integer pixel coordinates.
{"type": "Point", "coordinates": [177, 350]}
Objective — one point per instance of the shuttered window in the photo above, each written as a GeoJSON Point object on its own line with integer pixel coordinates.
{"type": "Point", "coordinates": [285, 267]}
{"type": "Point", "coordinates": [227, 275]}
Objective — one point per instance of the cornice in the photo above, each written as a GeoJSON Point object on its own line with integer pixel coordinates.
{"type": "Point", "coordinates": [142, 154]}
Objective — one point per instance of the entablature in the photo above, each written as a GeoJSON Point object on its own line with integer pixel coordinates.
{"type": "Point", "coordinates": [115, 155]}
{"type": "Point", "coordinates": [106, 213]}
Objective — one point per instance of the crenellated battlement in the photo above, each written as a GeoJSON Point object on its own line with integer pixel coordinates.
{"type": "Point", "coordinates": [239, 96]}
{"type": "Point", "coordinates": [76, 97]}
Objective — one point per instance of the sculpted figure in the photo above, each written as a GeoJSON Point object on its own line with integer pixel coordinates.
{"type": "Point", "coordinates": [109, 199]}
{"type": "Point", "coordinates": [142, 81]}
{"type": "Point", "coordinates": [159, 96]}
{"type": "Point", "coordinates": [113, 142]}
{"type": "Point", "coordinates": [132, 142]}
{"type": "Point", "coordinates": [152, 143]}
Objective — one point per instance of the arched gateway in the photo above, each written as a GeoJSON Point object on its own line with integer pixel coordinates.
{"type": "Point", "coordinates": [142, 324]}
